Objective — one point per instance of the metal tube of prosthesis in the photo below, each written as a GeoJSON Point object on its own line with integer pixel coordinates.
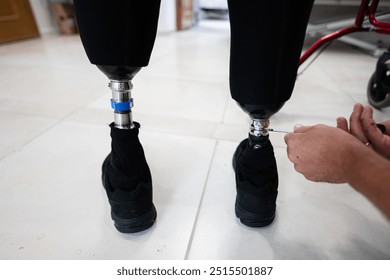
{"type": "Point", "coordinates": [122, 103]}
{"type": "Point", "coordinates": [258, 132]}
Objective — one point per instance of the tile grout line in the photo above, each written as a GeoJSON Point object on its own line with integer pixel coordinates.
{"type": "Point", "coordinates": [21, 146]}
{"type": "Point", "coordinates": [225, 108]}
{"type": "Point", "coordinates": [57, 122]}
{"type": "Point", "coordinates": [200, 204]}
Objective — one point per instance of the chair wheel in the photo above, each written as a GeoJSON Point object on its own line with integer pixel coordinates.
{"type": "Point", "coordinates": [378, 94]}
{"type": "Point", "coordinates": [378, 89]}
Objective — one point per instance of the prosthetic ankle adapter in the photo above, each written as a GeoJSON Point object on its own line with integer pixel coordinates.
{"type": "Point", "coordinates": [121, 85]}
{"type": "Point", "coordinates": [260, 115]}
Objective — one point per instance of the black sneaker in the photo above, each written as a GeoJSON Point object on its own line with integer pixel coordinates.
{"type": "Point", "coordinates": [128, 183]}
{"type": "Point", "coordinates": [256, 184]}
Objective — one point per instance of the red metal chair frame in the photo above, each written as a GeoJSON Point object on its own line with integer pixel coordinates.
{"type": "Point", "coordinates": [368, 10]}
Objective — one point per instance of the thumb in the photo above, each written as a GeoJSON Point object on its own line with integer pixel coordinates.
{"type": "Point", "coordinates": [299, 128]}
{"type": "Point", "coordinates": [342, 123]}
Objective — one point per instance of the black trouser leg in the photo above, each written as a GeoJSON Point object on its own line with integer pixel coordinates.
{"type": "Point", "coordinates": [266, 43]}
{"type": "Point", "coordinates": [118, 32]}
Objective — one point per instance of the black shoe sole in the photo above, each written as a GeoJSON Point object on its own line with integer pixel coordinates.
{"type": "Point", "coordinates": [135, 224]}
{"type": "Point", "coordinates": [247, 218]}
{"type": "Point", "coordinates": [251, 219]}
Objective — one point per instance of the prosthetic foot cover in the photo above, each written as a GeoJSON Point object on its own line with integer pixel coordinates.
{"type": "Point", "coordinates": [127, 180]}
{"type": "Point", "coordinates": [257, 184]}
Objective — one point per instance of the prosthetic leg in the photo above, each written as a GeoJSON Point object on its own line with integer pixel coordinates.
{"type": "Point", "coordinates": [118, 37]}
{"type": "Point", "coordinates": [263, 64]}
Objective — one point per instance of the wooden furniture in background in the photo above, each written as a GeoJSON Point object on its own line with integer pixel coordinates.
{"type": "Point", "coordinates": [16, 21]}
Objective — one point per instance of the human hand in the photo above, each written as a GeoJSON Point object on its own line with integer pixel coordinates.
{"type": "Point", "coordinates": [364, 128]}
{"type": "Point", "coordinates": [323, 153]}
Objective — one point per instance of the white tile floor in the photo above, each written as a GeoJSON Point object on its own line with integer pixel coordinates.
{"type": "Point", "coordinates": [54, 111]}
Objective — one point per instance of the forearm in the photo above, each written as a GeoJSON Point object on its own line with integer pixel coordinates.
{"type": "Point", "coordinates": [371, 177]}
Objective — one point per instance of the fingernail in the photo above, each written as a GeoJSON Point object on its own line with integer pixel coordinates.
{"type": "Point", "coordinates": [297, 126]}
